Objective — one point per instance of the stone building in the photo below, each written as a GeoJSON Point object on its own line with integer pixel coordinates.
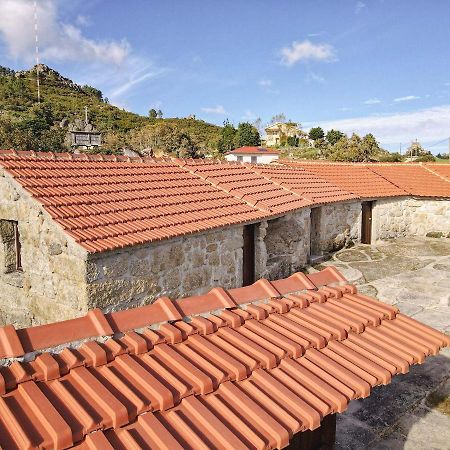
{"type": "Point", "coordinates": [85, 231]}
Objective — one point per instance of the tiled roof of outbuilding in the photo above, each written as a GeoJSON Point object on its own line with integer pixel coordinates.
{"type": "Point", "coordinates": [305, 183]}
{"type": "Point", "coordinates": [414, 179]}
{"type": "Point", "coordinates": [246, 184]}
{"type": "Point", "coordinates": [244, 368]}
{"type": "Point", "coordinates": [355, 178]}
{"type": "Point", "coordinates": [105, 204]}
{"type": "Point", "coordinates": [442, 170]}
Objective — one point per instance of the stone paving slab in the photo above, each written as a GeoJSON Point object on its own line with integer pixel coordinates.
{"type": "Point", "coordinates": [414, 274]}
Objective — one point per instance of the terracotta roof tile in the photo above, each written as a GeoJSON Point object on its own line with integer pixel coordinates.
{"type": "Point", "coordinates": [414, 178]}
{"type": "Point", "coordinates": [246, 368]}
{"type": "Point", "coordinates": [355, 178]}
{"type": "Point", "coordinates": [442, 170]}
{"type": "Point", "coordinates": [247, 184]}
{"type": "Point", "coordinates": [305, 183]}
{"type": "Point", "coordinates": [111, 202]}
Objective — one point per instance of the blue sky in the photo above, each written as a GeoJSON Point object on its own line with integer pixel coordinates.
{"type": "Point", "coordinates": [373, 65]}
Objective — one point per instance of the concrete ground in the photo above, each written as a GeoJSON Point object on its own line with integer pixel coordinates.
{"type": "Point", "coordinates": [413, 412]}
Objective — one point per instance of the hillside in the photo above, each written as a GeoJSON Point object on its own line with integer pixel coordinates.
{"type": "Point", "coordinates": [61, 98]}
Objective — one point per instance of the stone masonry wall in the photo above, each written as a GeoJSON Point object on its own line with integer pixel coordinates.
{"type": "Point", "coordinates": [406, 216]}
{"type": "Point", "coordinates": [338, 223]}
{"type": "Point", "coordinates": [51, 285]}
{"type": "Point", "coordinates": [282, 245]}
{"type": "Point", "coordinates": [177, 268]}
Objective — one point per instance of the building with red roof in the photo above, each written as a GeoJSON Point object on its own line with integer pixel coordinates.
{"type": "Point", "coordinates": [85, 231]}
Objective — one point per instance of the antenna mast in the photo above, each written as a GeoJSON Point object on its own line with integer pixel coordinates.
{"type": "Point", "coordinates": [37, 52]}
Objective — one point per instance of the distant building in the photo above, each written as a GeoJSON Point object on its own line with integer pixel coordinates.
{"type": "Point", "coordinates": [256, 155]}
{"type": "Point", "coordinates": [278, 133]}
{"type": "Point", "coordinates": [82, 134]}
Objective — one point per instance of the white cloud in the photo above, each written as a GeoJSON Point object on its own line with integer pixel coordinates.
{"type": "Point", "coordinates": [315, 34]}
{"type": "Point", "coordinates": [219, 109]}
{"type": "Point", "coordinates": [427, 125]}
{"type": "Point", "coordinates": [58, 41]}
{"type": "Point", "coordinates": [307, 51]}
{"type": "Point", "coordinates": [407, 98]}
{"type": "Point", "coordinates": [265, 83]}
{"type": "Point", "coordinates": [372, 101]}
{"type": "Point", "coordinates": [134, 79]}
{"type": "Point", "coordinates": [83, 21]}
{"type": "Point", "coordinates": [359, 7]}
{"type": "Point", "coordinates": [315, 77]}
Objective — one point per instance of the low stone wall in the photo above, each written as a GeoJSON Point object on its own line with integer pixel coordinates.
{"type": "Point", "coordinates": [334, 226]}
{"type": "Point", "coordinates": [177, 268]}
{"type": "Point", "coordinates": [51, 285]}
{"type": "Point", "coordinates": [282, 245]}
{"type": "Point", "coordinates": [406, 216]}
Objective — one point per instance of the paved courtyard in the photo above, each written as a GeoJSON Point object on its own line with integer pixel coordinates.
{"type": "Point", "coordinates": [413, 412]}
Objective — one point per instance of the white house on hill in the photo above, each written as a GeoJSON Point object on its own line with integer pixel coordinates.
{"type": "Point", "coordinates": [256, 155]}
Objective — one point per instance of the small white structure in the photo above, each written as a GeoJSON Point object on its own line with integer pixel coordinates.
{"type": "Point", "coordinates": [255, 155]}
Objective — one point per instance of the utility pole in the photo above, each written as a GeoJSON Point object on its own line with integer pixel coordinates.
{"type": "Point", "coordinates": [37, 52]}
{"type": "Point", "coordinates": [400, 148]}
{"type": "Point", "coordinates": [86, 115]}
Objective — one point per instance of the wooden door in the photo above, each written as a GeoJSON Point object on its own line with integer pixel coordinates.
{"type": "Point", "coordinates": [248, 272]}
{"type": "Point", "coordinates": [366, 223]}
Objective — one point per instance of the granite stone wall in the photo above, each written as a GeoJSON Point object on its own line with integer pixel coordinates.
{"type": "Point", "coordinates": [334, 225]}
{"type": "Point", "coordinates": [282, 245]}
{"type": "Point", "coordinates": [51, 285]}
{"type": "Point", "coordinates": [177, 268]}
{"type": "Point", "coordinates": [407, 216]}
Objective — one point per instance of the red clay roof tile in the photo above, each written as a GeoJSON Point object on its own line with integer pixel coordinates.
{"type": "Point", "coordinates": [355, 178]}
{"type": "Point", "coordinates": [248, 367]}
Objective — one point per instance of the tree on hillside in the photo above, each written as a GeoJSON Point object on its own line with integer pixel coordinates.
{"type": "Point", "coordinates": [159, 114]}
{"type": "Point", "coordinates": [97, 93]}
{"type": "Point", "coordinates": [316, 133]}
{"type": "Point", "coordinates": [246, 134]}
{"type": "Point", "coordinates": [152, 114]}
{"type": "Point", "coordinates": [278, 118]}
{"type": "Point", "coordinates": [334, 135]}
{"type": "Point", "coordinates": [226, 141]}
{"type": "Point", "coordinates": [186, 148]}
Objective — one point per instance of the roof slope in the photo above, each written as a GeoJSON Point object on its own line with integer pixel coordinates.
{"type": "Point", "coordinates": [355, 178]}
{"type": "Point", "coordinates": [305, 183]}
{"type": "Point", "coordinates": [246, 184]}
{"type": "Point", "coordinates": [244, 368]}
{"type": "Point", "coordinates": [414, 178]}
{"type": "Point", "coordinates": [105, 204]}
{"type": "Point", "coordinates": [442, 170]}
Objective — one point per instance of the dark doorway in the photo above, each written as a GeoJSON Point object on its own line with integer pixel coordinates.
{"type": "Point", "coordinates": [366, 223]}
{"type": "Point", "coordinates": [248, 275]}
{"type": "Point", "coordinates": [314, 249]}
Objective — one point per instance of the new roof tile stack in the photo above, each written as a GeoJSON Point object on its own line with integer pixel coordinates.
{"type": "Point", "coordinates": [243, 368]}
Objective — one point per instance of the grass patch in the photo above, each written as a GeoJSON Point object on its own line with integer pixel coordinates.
{"type": "Point", "coordinates": [439, 402]}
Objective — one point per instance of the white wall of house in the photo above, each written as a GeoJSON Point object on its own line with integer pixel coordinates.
{"type": "Point", "coordinates": [259, 159]}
